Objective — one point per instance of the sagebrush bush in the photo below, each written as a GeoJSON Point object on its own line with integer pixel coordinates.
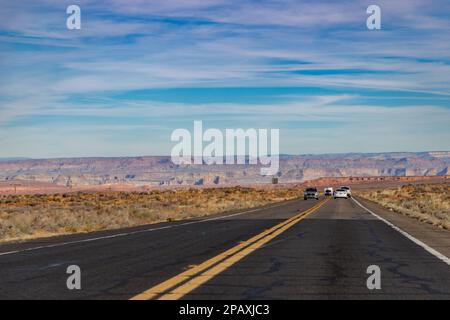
{"type": "Point", "coordinates": [427, 202]}
{"type": "Point", "coordinates": [28, 216]}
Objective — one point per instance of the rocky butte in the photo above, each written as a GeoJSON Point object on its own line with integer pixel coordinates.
{"type": "Point", "coordinates": [160, 171]}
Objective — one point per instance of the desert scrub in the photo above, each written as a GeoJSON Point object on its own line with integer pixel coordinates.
{"type": "Point", "coordinates": [31, 216]}
{"type": "Point", "coordinates": [429, 203]}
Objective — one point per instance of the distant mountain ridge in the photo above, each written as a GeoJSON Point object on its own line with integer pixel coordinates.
{"type": "Point", "coordinates": [160, 171]}
{"type": "Point", "coordinates": [14, 159]}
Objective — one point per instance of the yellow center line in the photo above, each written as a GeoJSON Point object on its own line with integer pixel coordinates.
{"type": "Point", "coordinates": [187, 281]}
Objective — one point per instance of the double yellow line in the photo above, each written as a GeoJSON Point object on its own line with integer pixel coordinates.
{"type": "Point", "coordinates": [187, 281]}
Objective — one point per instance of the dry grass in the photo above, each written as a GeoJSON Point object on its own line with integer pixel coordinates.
{"type": "Point", "coordinates": [428, 202]}
{"type": "Point", "coordinates": [30, 216]}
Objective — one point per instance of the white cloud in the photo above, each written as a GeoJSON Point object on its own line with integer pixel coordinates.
{"type": "Point", "coordinates": [129, 45]}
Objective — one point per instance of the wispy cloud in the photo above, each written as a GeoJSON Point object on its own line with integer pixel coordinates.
{"type": "Point", "coordinates": [155, 65]}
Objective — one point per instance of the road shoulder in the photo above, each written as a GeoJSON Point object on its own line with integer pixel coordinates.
{"type": "Point", "coordinates": [434, 237]}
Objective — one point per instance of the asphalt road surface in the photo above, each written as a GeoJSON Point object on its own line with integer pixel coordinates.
{"type": "Point", "coordinates": [293, 250]}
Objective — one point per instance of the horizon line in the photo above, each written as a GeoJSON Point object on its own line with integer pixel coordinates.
{"type": "Point", "coordinates": [168, 156]}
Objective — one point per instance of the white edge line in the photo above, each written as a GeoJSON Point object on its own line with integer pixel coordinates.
{"type": "Point", "coordinates": [407, 235]}
{"type": "Point", "coordinates": [139, 231]}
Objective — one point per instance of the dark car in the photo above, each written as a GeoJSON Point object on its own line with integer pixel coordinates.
{"type": "Point", "coordinates": [311, 193]}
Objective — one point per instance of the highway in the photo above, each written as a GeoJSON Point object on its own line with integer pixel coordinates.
{"type": "Point", "coordinates": [292, 250]}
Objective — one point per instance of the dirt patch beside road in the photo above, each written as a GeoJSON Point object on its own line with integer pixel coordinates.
{"type": "Point", "coordinates": [41, 215]}
{"type": "Point", "coordinates": [428, 203]}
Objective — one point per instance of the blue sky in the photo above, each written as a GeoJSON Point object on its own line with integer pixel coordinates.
{"type": "Point", "coordinates": [137, 70]}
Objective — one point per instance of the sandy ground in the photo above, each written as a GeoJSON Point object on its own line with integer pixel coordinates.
{"type": "Point", "coordinates": [33, 187]}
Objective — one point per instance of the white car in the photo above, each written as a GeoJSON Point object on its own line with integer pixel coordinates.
{"type": "Point", "coordinates": [341, 193]}
{"type": "Point", "coordinates": [349, 191]}
{"type": "Point", "coordinates": [328, 191]}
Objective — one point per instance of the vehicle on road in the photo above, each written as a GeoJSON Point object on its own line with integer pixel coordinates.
{"type": "Point", "coordinates": [349, 191]}
{"type": "Point", "coordinates": [328, 191]}
{"type": "Point", "coordinates": [311, 193]}
{"type": "Point", "coordinates": [341, 193]}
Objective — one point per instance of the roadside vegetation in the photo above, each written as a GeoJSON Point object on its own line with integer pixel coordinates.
{"type": "Point", "coordinates": [31, 216]}
{"type": "Point", "coordinates": [428, 203]}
